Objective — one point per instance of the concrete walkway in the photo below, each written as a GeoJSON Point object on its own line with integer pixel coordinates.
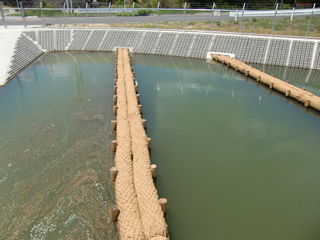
{"type": "Point", "coordinates": [7, 42]}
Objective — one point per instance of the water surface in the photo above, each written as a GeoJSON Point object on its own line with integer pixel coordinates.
{"type": "Point", "coordinates": [235, 160]}
{"type": "Point", "coordinates": [54, 149]}
{"type": "Point", "coordinates": [299, 77]}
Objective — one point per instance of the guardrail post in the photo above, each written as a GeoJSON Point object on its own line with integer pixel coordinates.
{"type": "Point", "coordinates": [22, 14]}
{"type": "Point", "coordinates": [2, 14]}
{"type": "Point", "coordinates": [292, 14]}
{"type": "Point", "coordinates": [41, 13]}
{"type": "Point", "coordinates": [214, 4]}
{"type": "Point", "coordinates": [158, 14]}
{"type": "Point", "coordinates": [17, 5]}
{"type": "Point", "coordinates": [274, 20]}
{"type": "Point", "coordinates": [109, 14]}
{"type": "Point", "coordinates": [133, 15]}
{"type": "Point", "coordinates": [310, 20]}
{"type": "Point", "coordinates": [236, 16]}
{"type": "Point", "coordinates": [184, 15]}
{"type": "Point", "coordinates": [64, 15]}
{"type": "Point", "coordinates": [87, 14]}
{"type": "Point", "coordinates": [71, 5]}
{"type": "Point", "coordinates": [244, 5]}
{"type": "Point", "coordinates": [68, 6]}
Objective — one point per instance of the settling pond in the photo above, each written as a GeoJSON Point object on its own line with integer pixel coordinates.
{"type": "Point", "coordinates": [234, 161]}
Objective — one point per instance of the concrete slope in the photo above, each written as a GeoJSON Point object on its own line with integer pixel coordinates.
{"type": "Point", "coordinates": [7, 43]}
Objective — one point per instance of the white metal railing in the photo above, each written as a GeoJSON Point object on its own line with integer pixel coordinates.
{"type": "Point", "coordinates": [270, 13]}
{"type": "Point", "coordinates": [68, 8]}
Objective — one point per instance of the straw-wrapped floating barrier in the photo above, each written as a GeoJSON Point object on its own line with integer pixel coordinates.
{"type": "Point", "coordinates": [301, 95]}
{"type": "Point", "coordinates": [129, 219]}
{"type": "Point", "coordinates": [141, 215]}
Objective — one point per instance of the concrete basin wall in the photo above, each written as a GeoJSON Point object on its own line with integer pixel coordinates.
{"type": "Point", "coordinates": [293, 52]}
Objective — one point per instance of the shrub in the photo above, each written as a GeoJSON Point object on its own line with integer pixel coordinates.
{"type": "Point", "coordinates": [254, 20]}
{"type": "Point", "coordinates": [124, 14]}
{"type": "Point", "coordinates": [143, 12]}
{"type": "Point", "coordinates": [139, 12]}
{"type": "Point", "coordinates": [284, 6]}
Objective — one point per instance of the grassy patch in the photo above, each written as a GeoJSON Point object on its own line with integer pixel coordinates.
{"type": "Point", "coordinates": [297, 27]}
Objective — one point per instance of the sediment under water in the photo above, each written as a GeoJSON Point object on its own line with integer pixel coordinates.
{"type": "Point", "coordinates": [234, 161]}
{"type": "Point", "coordinates": [54, 148]}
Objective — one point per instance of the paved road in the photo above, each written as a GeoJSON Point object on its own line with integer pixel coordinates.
{"type": "Point", "coordinates": [115, 19]}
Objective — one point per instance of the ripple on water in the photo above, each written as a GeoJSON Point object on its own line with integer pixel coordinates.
{"type": "Point", "coordinates": [55, 158]}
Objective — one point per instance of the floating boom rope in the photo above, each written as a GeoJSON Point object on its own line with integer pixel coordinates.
{"type": "Point", "coordinates": [301, 95]}
{"type": "Point", "coordinates": [141, 216]}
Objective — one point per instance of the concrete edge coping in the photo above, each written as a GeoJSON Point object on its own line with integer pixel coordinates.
{"type": "Point", "coordinates": [231, 55]}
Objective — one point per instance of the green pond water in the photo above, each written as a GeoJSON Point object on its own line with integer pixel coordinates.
{"type": "Point", "coordinates": [235, 160]}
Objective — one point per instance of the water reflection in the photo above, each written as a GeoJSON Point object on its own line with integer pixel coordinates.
{"type": "Point", "coordinates": [21, 89]}
{"type": "Point", "coordinates": [221, 140]}
{"type": "Point", "coordinates": [297, 76]}
{"type": "Point", "coordinates": [244, 155]}
{"type": "Point", "coordinates": [310, 79]}
{"type": "Point", "coordinates": [300, 77]}
{"type": "Point", "coordinates": [78, 78]}
{"type": "Point", "coordinates": [171, 62]}
{"type": "Point", "coordinates": [67, 57]}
